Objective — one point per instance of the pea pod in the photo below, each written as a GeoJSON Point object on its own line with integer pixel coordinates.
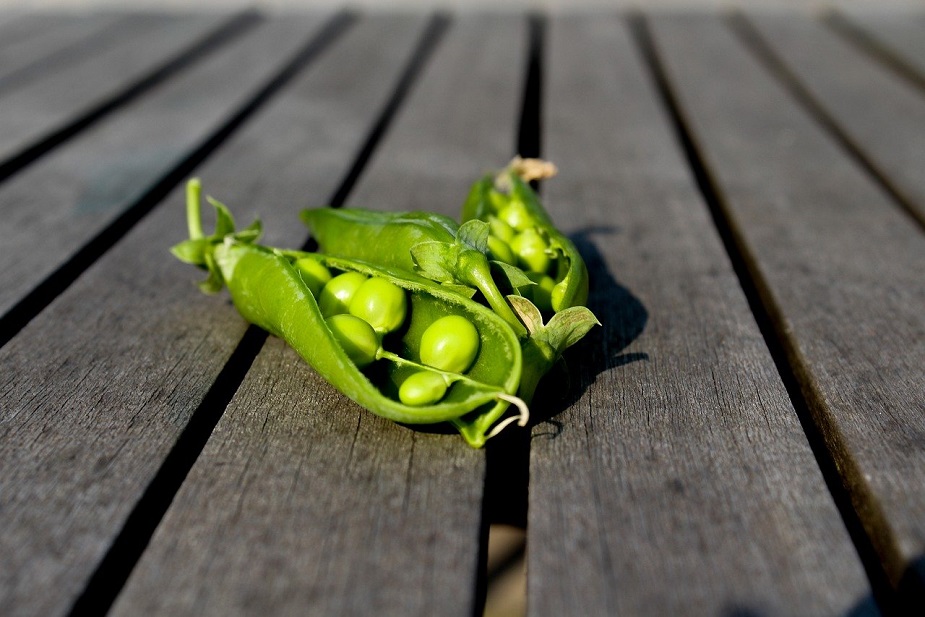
{"type": "Point", "coordinates": [269, 290]}
{"type": "Point", "coordinates": [420, 242]}
{"type": "Point", "coordinates": [514, 215]}
{"type": "Point", "coordinates": [509, 198]}
{"type": "Point", "coordinates": [383, 238]}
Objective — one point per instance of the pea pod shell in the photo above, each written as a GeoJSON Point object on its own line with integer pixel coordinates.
{"type": "Point", "coordinates": [268, 291]}
{"type": "Point", "coordinates": [382, 238]}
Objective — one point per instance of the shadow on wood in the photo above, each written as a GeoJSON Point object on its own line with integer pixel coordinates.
{"type": "Point", "coordinates": [623, 317]}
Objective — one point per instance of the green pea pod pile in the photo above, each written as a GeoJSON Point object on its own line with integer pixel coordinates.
{"type": "Point", "coordinates": [415, 317]}
{"type": "Point", "coordinates": [506, 241]}
{"type": "Point", "coordinates": [275, 289]}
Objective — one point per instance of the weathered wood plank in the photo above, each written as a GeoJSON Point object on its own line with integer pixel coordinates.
{"type": "Point", "coordinates": [902, 35]}
{"type": "Point", "coordinates": [57, 206]}
{"type": "Point", "coordinates": [345, 512]}
{"type": "Point", "coordinates": [98, 387]}
{"type": "Point", "coordinates": [141, 44]}
{"type": "Point", "coordinates": [881, 114]}
{"type": "Point", "coordinates": [841, 269]}
{"type": "Point", "coordinates": [453, 133]}
{"type": "Point", "coordinates": [675, 475]}
{"type": "Point", "coordinates": [34, 46]}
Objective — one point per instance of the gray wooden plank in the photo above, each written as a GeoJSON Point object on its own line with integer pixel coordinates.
{"type": "Point", "coordinates": [675, 475]}
{"type": "Point", "coordinates": [142, 43]}
{"type": "Point", "coordinates": [56, 206]}
{"type": "Point", "coordinates": [347, 513]}
{"type": "Point", "coordinates": [841, 269]}
{"type": "Point", "coordinates": [879, 112]}
{"type": "Point", "coordinates": [900, 34]}
{"type": "Point", "coordinates": [98, 387]}
{"type": "Point", "coordinates": [36, 45]}
{"type": "Point", "coordinates": [444, 143]}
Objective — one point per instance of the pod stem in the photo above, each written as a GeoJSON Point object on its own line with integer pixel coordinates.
{"type": "Point", "coordinates": [476, 272]}
{"type": "Point", "coordinates": [193, 208]}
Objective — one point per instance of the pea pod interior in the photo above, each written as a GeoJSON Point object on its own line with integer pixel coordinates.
{"type": "Point", "coordinates": [570, 272]}
{"type": "Point", "coordinates": [269, 292]}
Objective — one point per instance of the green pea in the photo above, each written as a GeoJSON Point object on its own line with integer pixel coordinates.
{"type": "Point", "coordinates": [356, 337]}
{"type": "Point", "coordinates": [541, 293]}
{"type": "Point", "coordinates": [335, 296]}
{"type": "Point", "coordinates": [450, 344]}
{"type": "Point", "coordinates": [380, 303]}
{"type": "Point", "coordinates": [531, 250]}
{"type": "Point", "coordinates": [314, 274]}
{"type": "Point", "coordinates": [558, 295]}
{"type": "Point", "coordinates": [422, 388]}
{"type": "Point", "coordinates": [500, 229]}
{"type": "Point", "coordinates": [501, 251]}
{"type": "Point", "coordinates": [517, 216]}
{"type": "Point", "coordinates": [498, 200]}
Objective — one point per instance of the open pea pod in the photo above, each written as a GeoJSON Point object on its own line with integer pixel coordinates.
{"type": "Point", "coordinates": [271, 292]}
{"type": "Point", "coordinates": [511, 207]}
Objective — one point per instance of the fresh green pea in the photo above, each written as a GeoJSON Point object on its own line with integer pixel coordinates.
{"type": "Point", "coordinates": [517, 216]}
{"type": "Point", "coordinates": [501, 250]}
{"type": "Point", "coordinates": [335, 296]}
{"type": "Point", "coordinates": [380, 303]}
{"type": "Point", "coordinates": [314, 273]}
{"type": "Point", "coordinates": [500, 229]}
{"type": "Point", "coordinates": [531, 250]}
{"type": "Point", "coordinates": [356, 337]}
{"type": "Point", "coordinates": [422, 388]}
{"type": "Point", "coordinates": [558, 294]}
{"type": "Point", "coordinates": [498, 200]}
{"type": "Point", "coordinates": [541, 293]}
{"type": "Point", "coordinates": [450, 344]}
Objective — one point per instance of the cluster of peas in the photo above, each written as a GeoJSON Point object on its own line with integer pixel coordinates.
{"type": "Point", "coordinates": [360, 310]}
{"type": "Point", "coordinates": [516, 239]}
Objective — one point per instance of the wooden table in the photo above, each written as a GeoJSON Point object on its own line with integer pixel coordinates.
{"type": "Point", "coordinates": [745, 435]}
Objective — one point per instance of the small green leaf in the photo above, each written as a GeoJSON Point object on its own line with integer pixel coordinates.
{"type": "Point", "coordinates": [527, 312]}
{"type": "Point", "coordinates": [191, 251]}
{"type": "Point", "coordinates": [224, 222]}
{"type": "Point", "coordinates": [249, 234]}
{"type": "Point", "coordinates": [514, 275]}
{"type": "Point", "coordinates": [474, 234]}
{"type": "Point", "coordinates": [436, 260]}
{"type": "Point", "coordinates": [567, 327]}
{"type": "Point", "coordinates": [215, 282]}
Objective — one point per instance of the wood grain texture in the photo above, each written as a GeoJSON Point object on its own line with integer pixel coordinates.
{"type": "Point", "coordinates": [674, 477]}
{"type": "Point", "coordinates": [451, 133]}
{"type": "Point", "coordinates": [902, 35]}
{"type": "Point", "coordinates": [56, 206]}
{"type": "Point", "coordinates": [339, 511]}
{"type": "Point", "coordinates": [841, 269]}
{"type": "Point", "coordinates": [140, 44]}
{"type": "Point", "coordinates": [33, 46]}
{"type": "Point", "coordinates": [97, 388]}
{"type": "Point", "coordinates": [879, 112]}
